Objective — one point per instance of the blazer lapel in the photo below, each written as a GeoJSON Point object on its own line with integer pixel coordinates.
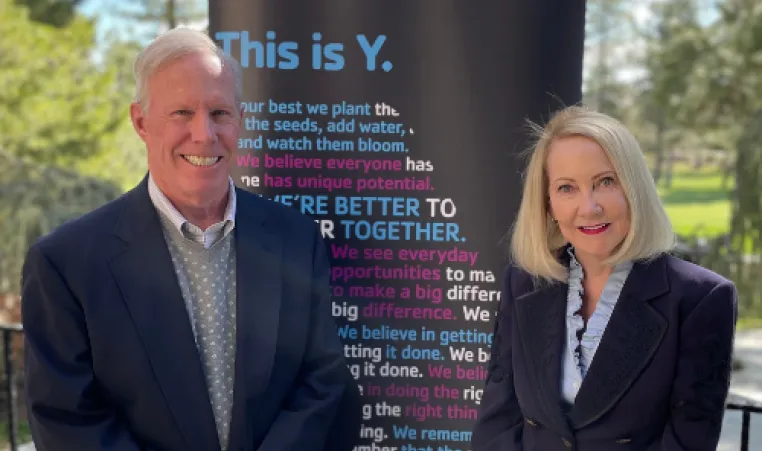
{"type": "Point", "coordinates": [541, 324]}
{"type": "Point", "coordinates": [258, 298]}
{"type": "Point", "coordinates": [632, 336]}
{"type": "Point", "coordinates": [149, 286]}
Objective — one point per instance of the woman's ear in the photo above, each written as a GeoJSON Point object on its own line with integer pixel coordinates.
{"type": "Point", "coordinates": [549, 211]}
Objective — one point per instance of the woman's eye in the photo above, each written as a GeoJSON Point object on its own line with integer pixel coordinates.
{"type": "Point", "coordinates": [606, 181]}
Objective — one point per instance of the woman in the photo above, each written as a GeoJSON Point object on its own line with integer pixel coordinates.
{"type": "Point", "coordinates": [603, 341]}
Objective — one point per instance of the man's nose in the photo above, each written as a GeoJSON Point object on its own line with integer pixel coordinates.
{"type": "Point", "coordinates": [202, 128]}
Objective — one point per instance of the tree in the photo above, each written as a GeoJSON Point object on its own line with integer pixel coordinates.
{"type": "Point", "coordinates": [165, 14]}
{"type": "Point", "coordinates": [726, 94]}
{"type": "Point", "coordinates": [53, 12]}
{"type": "Point", "coordinates": [36, 198]}
{"type": "Point", "coordinates": [736, 95]}
{"type": "Point", "coordinates": [56, 105]}
{"type": "Point", "coordinates": [57, 110]}
{"type": "Point", "coordinates": [607, 31]}
{"type": "Point", "coordinates": [675, 41]}
{"type": "Point", "coordinates": [121, 158]}
{"type": "Point", "coordinates": [723, 98]}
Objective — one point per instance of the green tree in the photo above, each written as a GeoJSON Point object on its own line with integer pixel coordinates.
{"type": "Point", "coordinates": [607, 32]}
{"type": "Point", "coordinates": [164, 14]}
{"type": "Point", "coordinates": [723, 99]}
{"type": "Point", "coordinates": [736, 95]}
{"type": "Point", "coordinates": [121, 158]}
{"type": "Point", "coordinates": [674, 43]}
{"type": "Point", "coordinates": [746, 226]}
{"type": "Point", "coordinates": [36, 198]}
{"type": "Point", "coordinates": [57, 109]}
{"type": "Point", "coordinates": [54, 12]}
{"type": "Point", "coordinates": [725, 95]}
{"type": "Point", "coordinates": [56, 105]}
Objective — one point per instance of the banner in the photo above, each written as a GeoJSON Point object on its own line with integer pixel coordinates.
{"type": "Point", "coordinates": [397, 126]}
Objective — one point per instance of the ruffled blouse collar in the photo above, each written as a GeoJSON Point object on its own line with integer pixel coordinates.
{"type": "Point", "coordinates": [585, 348]}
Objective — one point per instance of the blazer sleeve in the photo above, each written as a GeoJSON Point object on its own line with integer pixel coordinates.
{"type": "Point", "coordinates": [500, 421]}
{"type": "Point", "coordinates": [702, 378]}
{"type": "Point", "coordinates": [62, 405]}
{"type": "Point", "coordinates": [324, 391]}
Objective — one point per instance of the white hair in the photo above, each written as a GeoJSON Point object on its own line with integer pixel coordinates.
{"type": "Point", "coordinates": [171, 45]}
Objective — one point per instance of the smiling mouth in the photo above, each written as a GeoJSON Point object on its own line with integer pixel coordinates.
{"type": "Point", "coordinates": [201, 161]}
{"type": "Point", "coordinates": [594, 230]}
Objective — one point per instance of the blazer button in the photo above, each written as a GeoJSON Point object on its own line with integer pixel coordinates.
{"type": "Point", "coordinates": [567, 443]}
{"type": "Point", "coordinates": [531, 422]}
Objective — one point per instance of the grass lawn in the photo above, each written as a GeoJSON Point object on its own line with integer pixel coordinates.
{"type": "Point", "coordinates": [23, 434]}
{"type": "Point", "coordinates": [696, 202]}
{"type": "Point", "coordinates": [748, 323]}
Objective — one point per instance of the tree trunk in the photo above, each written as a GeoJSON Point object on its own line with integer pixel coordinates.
{"type": "Point", "coordinates": [171, 14]}
{"type": "Point", "coordinates": [659, 166]}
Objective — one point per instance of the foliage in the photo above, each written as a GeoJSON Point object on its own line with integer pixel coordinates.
{"type": "Point", "coordinates": [675, 41]}
{"type": "Point", "coordinates": [59, 113]}
{"type": "Point", "coordinates": [726, 84]}
{"type": "Point", "coordinates": [699, 92]}
{"type": "Point", "coordinates": [56, 105]}
{"type": "Point", "coordinates": [53, 12]}
{"type": "Point", "coordinates": [747, 217]}
{"type": "Point", "coordinates": [165, 14]}
{"type": "Point", "coordinates": [606, 29]}
{"type": "Point", "coordinates": [36, 198]}
{"type": "Point", "coordinates": [121, 158]}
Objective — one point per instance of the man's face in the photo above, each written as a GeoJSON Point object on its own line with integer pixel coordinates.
{"type": "Point", "coordinates": [190, 129]}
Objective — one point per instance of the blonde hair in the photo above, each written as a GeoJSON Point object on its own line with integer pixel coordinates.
{"type": "Point", "coordinates": [536, 240]}
{"type": "Point", "coordinates": [173, 44]}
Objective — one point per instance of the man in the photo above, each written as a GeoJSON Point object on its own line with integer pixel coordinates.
{"type": "Point", "coordinates": [187, 314]}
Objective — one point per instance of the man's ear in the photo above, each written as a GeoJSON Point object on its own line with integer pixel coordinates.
{"type": "Point", "coordinates": [138, 120]}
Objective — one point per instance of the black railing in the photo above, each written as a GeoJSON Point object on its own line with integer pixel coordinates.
{"type": "Point", "coordinates": [747, 407]}
{"type": "Point", "coordinates": [735, 402]}
{"type": "Point", "coordinates": [11, 396]}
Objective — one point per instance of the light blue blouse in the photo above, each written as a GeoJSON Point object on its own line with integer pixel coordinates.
{"type": "Point", "coordinates": [579, 355]}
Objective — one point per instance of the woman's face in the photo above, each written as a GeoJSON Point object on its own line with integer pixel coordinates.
{"type": "Point", "coordinates": [586, 197]}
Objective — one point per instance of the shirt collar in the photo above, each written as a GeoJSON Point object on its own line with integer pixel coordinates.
{"type": "Point", "coordinates": [164, 206]}
{"type": "Point", "coordinates": [574, 264]}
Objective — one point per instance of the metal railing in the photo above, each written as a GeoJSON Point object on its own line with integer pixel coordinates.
{"type": "Point", "coordinates": [735, 402]}
{"type": "Point", "coordinates": [11, 396]}
{"type": "Point", "coordinates": [747, 407]}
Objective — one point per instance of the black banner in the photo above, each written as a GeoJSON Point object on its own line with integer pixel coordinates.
{"type": "Point", "coordinates": [397, 125]}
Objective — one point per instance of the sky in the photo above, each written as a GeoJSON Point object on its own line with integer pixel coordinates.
{"type": "Point", "coordinates": [106, 12]}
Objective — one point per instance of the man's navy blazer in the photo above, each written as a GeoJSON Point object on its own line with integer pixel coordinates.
{"type": "Point", "coordinates": [658, 381]}
{"type": "Point", "coordinates": [111, 362]}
